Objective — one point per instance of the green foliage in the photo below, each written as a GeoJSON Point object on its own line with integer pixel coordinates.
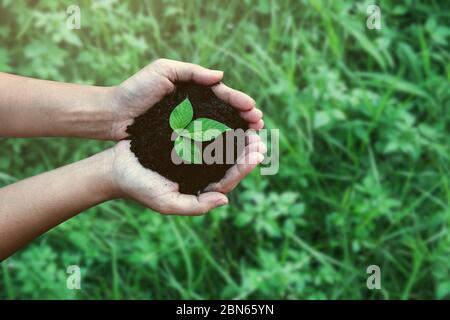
{"type": "Point", "coordinates": [204, 129]}
{"type": "Point", "coordinates": [201, 129]}
{"type": "Point", "coordinates": [364, 153]}
{"type": "Point", "coordinates": [188, 150]}
{"type": "Point", "coordinates": [181, 115]}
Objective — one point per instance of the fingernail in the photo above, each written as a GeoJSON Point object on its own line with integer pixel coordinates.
{"type": "Point", "coordinates": [222, 202]}
{"type": "Point", "coordinates": [262, 147]}
{"type": "Point", "coordinates": [218, 72]}
{"type": "Point", "coordinates": [262, 124]}
{"type": "Point", "coordinates": [260, 158]}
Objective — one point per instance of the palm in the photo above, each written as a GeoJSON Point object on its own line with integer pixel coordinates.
{"type": "Point", "coordinates": [144, 185]}
{"type": "Point", "coordinates": [136, 95]}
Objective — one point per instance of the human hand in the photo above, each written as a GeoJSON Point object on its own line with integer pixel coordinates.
{"type": "Point", "coordinates": [144, 89]}
{"type": "Point", "coordinates": [61, 109]}
{"type": "Point", "coordinates": [139, 93]}
{"type": "Point", "coordinates": [131, 180]}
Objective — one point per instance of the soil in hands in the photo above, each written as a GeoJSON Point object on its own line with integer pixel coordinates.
{"type": "Point", "coordinates": [151, 133]}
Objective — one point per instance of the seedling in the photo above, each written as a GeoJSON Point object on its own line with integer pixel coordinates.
{"type": "Point", "coordinates": [189, 131]}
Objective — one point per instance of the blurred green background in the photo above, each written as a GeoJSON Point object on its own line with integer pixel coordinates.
{"type": "Point", "coordinates": [364, 173]}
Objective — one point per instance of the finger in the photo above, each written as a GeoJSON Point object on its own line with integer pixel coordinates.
{"type": "Point", "coordinates": [253, 115]}
{"type": "Point", "coordinates": [183, 204]}
{"type": "Point", "coordinates": [182, 71]}
{"type": "Point", "coordinates": [256, 147]}
{"type": "Point", "coordinates": [240, 171]}
{"type": "Point", "coordinates": [236, 173]}
{"type": "Point", "coordinates": [252, 138]}
{"type": "Point", "coordinates": [235, 98]}
{"type": "Point", "coordinates": [257, 126]}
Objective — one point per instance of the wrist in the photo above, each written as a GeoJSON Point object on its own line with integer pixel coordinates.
{"type": "Point", "coordinates": [100, 112]}
{"type": "Point", "coordinates": [102, 165]}
{"type": "Point", "coordinates": [89, 113]}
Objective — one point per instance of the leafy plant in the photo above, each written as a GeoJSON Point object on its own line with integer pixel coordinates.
{"type": "Point", "coordinates": [363, 118]}
{"type": "Point", "coordinates": [201, 129]}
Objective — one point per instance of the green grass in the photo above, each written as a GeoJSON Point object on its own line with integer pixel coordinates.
{"type": "Point", "coordinates": [364, 173]}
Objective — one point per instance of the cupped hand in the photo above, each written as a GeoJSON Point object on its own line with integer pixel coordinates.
{"type": "Point", "coordinates": [151, 84]}
{"type": "Point", "coordinates": [132, 180]}
{"type": "Point", "coordinates": [139, 93]}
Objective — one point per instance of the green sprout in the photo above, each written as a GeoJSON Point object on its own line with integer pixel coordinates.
{"type": "Point", "coordinates": [189, 131]}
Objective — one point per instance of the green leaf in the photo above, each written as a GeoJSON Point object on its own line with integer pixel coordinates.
{"type": "Point", "coordinates": [321, 118]}
{"type": "Point", "coordinates": [181, 115]}
{"type": "Point", "coordinates": [204, 129]}
{"type": "Point", "coordinates": [188, 150]}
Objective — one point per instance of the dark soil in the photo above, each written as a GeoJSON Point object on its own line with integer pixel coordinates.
{"type": "Point", "coordinates": [151, 142]}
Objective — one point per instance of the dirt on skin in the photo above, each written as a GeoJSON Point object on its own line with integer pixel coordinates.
{"type": "Point", "coordinates": [150, 136]}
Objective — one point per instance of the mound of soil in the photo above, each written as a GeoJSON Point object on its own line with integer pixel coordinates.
{"type": "Point", "coordinates": [151, 142]}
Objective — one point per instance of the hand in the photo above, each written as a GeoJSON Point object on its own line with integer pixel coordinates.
{"type": "Point", "coordinates": [148, 86]}
{"type": "Point", "coordinates": [132, 180]}
{"type": "Point", "coordinates": [139, 93]}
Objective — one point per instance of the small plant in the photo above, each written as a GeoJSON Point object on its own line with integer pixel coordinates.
{"type": "Point", "coordinates": [189, 131]}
